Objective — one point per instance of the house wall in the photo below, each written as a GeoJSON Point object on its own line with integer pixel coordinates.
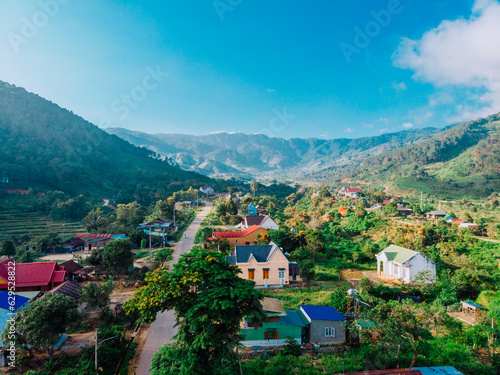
{"type": "Point", "coordinates": [421, 263]}
{"type": "Point", "coordinates": [256, 336]}
{"type": "Point", "coordinates": [317, 332]}
{"type": "Point", "coordinates": [277, 261]}
{"type": "Point", "coordinates": [251, 238]}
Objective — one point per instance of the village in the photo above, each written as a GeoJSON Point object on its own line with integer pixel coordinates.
{"type": "Point", "coordinates": [332, 314]}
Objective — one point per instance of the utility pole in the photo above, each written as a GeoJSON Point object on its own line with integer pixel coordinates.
{"type": "Point", "coordinates": [421, 199]}
{"type": "Point", "coordinates": [150, 266]}
{"type": "Point", "coordinates": [97, 344]}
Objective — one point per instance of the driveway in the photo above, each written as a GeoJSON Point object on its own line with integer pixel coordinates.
{"type": "Point", "coordinates": [162, 329]}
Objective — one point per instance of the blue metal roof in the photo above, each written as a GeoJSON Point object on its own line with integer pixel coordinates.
{"type": "Point", "coordinates": [119, 237]}
{"type": "Point", "coordinates": [322, 313]}
{"type": "Point", "coordinates": [292, 318]}
{"type": "Point", "coordinates": [260, 253]}
{"type": "Point", "coordinates": [438, 370]}
{"type": "Point", "coordinates": [474, 304]}
{"type": "Point", "coordinates": [17, 302]}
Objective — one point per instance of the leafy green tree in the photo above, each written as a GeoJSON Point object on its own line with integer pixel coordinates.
{"type": "Point", "coordinates": [40, 325]}
{"type": "Point", "coordinates": [8, 248]}
{"type": "Point", "coordinates": [391, 208]}
{"type": "Point", "coordinates": [209, 299]}
{"type": "Point", "coordinates": [94, 221]}
{"type": "Point", "coordinates": [117, 257]}
{"type": "Point", "coordinates": [339, 299]}
{"type": "Point", "coordinates": [97, 296]}
{"type": "Point", "coordinates": [360, 212]}
{"type": "Point", "coordinates": [95, 260]}
{"type": "Point", "coordinates": [292, 347]}
{"type": "Point", "coordinates": [307, 272]}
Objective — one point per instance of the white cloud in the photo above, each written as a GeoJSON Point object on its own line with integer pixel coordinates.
{"type": "Point", "coordinates": [420, 116]}
{"type": "Point", "coordinates": [348, 130]}
{"type": "Point", "coordinates": [407, 125]}
{"type": "Point", "coordinates": [383, 130]}
{"type": "Point", "coordinates": [382, 119]}
{"type": "Point", "coordinates": [399, 86]}
{"type": "Point", "coordinates": [369, 126]}
{"type": "Point", "coordinates": [462, 52]}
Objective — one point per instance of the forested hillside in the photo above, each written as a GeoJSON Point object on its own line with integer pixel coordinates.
{"type": "Point", "coordinates": [44, 146]}
{"type": "Point", "coordinates": [263, 157]}
{"type": "Point", "coordinates": [461, 161]}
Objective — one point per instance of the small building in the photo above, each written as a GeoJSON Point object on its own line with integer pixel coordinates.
{"type": "Point", "coordinates": [68, 289]}
{"type": "Point", "coordinates": [404, 211]}
{"type": "Point", "coordinates": [74, 244]}
{"type": "Point", "coordinates": [41, 276]}
{"type": "Point", "coordinates": [279, 324]}
{"type": "Point", "coordinates": [351, 192]}
{"type": "Point", "coordinates": [207, 190]}
{"type": "Point", "coordinates": [75, 271]}
{"type": "Point", "coordinates": [98, 240]}
{"type": "Point", "coordinates": [263, 221]}
{"type": "Point", "coordinates": [267, 265]}
{"type": "Point", "coordinates": [435, 215]}
{"type": "Point", "coordinates": [325, 326]}
{"type": "Point", "coordinates": [244, 237]}
{"type": "Point", "coordinates": [400, 264]}
{"type": "Point", "coordinates": [470, 226]}
{"type": "Point", "coordinates": [252, 210]}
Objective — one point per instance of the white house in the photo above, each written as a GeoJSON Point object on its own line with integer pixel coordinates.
{"type": "Point", "coordinates": [207, 190]}
{"type": "Point", "coordinates": [399, 264]}
{"type": "Point", "coordinates": [263, 221]}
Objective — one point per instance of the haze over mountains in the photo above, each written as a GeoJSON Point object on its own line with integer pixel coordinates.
{"type": "Point", "coordinates": [258, 156]}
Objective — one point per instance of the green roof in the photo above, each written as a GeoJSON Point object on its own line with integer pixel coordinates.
{"type": "Point", "coordinates": [398, 254]}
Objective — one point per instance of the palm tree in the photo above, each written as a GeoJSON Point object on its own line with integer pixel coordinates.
{"type": "Point", "coordinates": [94, 220]}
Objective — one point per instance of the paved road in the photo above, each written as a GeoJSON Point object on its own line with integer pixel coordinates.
{"type": "Point", "coordinates": [162, 329]}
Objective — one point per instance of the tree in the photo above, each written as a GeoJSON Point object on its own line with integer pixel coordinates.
{"type": "Point", "coordinates": [209, 299]}
{"type": "Point", "coordinates": [8, 248]}
{"type": "Point", "coordinates": [360, 212]}
{"type": "Point", "coordinates": [97, 296]}
{"type": "Point", "coordinates": [40, 325]}
{"type": "Point", "coordinates": [338, 299]}
{"type": "Point", "coordinates": [307, 272]}
{"type": "Point", "coordinates": [95, 260]}
{"type": "Point", "coordinates": [253, 187]}
{"type": "Point", "coordinates": [117, 257]}
{"type": "Point", "coordinates": [94, 221]}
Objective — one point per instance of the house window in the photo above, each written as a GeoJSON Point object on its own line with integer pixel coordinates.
{"type": "Point", "coordinates": [236, 241]}
{"type": "Point", "coordinates": [247, 243]}
{"type": "Point", "coordinates": [281, 274]}
{"type": "Point", "coordinates": [329, 332]}
{"type": "Point", "coordinates": [271, 335]}
{"type": "Point", "coordinates": [251, 274]}
{"type": "Point", "coordinates": [265, 274]}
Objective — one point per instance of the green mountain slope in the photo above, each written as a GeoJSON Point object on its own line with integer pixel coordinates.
{"type": "Point", "coordinates": [47, 147]}
{"type": "Point", "coordinates": [461, 161]}
{"type": "Point", "coordinates": [256, 155]}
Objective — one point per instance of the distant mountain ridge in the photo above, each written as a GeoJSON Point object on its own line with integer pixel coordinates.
{"type": "Point", "coordinates": [47, 147]}
{"type": "Point", "coordinates": [256, 155]}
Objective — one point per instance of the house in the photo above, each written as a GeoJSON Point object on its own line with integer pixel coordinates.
{"type": "Point", "coordinates": [265, 264]}
{"type": "Point", "coordinates": [278, 325]}
{"type": "Point", "coordinates": [207, 190]}
{"type": "Point", "coordinates": [244, 237]}
{"type": "Point", "coordinates": [436, 214]}
{"type": "Point", "coordinates": [75, 271]}
{"type": "Point", "coordinates": [399, 264]}
{"type": "Point", "coordinates": [471, 226]}
{"type": "Point", "coordinates": [252, 210]}
{"type": "Point", "coordinates": [159, 227]}
{"type": "Point", "coordinates": [325, 324]}
{"type": "Point", "coordinates": [68, 289]}
{"type": "Point", "coordinates": [455, 221]}
{"type": "Point", "coordinates": [41, 276]}
{"type": "Point", "coordinates": [262, 221]}
{"type": "Point", "coordinates": [343, 210]}
{"type": "Point", "coordinates": [74, 244]}
{"type": "Point", "coordinates": [404, 210]}
{"type": "Point", "coordinates": [98, 240]}
{"type": "Point", "coordinates": [385, 202]}
{"type": "Point", "coordinates": [9, 305]}
{"type": "Point", "coordinates": [352, 192]}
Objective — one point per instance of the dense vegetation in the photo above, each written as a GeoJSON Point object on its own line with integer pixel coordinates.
{"type": "Point", "coordinates": [458, 162]}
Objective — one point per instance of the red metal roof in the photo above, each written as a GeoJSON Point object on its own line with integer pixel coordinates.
{"type": "Point", "coordinates": [352, 190]}
{"type": "Point", "coordinates": [33, 274]}
{"type": "Point", "coordinates": [239, 234]}
{"type": "Point", "coordinates": [94, 236]}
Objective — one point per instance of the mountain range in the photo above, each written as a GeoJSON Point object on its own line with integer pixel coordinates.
{"type": "Point", "coordinates": [258, 156]}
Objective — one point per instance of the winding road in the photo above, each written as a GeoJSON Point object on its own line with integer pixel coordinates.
{"type": "Point", "coordinates": [162, 329]}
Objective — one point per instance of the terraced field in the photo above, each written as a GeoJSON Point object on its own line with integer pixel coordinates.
{"type": "Point", "coordinates": [15, 223]}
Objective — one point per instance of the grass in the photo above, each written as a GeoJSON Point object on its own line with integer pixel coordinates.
{"type": "Point", "coordinates": [317, 294]}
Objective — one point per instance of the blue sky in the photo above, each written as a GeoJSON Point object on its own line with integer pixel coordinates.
{"type": "Point", "coordinates": [284, 68]}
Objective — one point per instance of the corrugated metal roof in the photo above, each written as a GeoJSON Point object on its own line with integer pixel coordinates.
{"type": "Point", "coordinates": [292, 319]}
{"type": "Point", "coordinates": [239, 234]}
{"type": "Point", "coordinates": [17, 302]}
{"type": "Point", "coordinates": [260, 252]}
{"type": "Point", "coordinates": [322, 313]}
{"type": "Point", "coordinates": [272, 305]}
{"type": "Point", "coordinates": [398, 254]}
